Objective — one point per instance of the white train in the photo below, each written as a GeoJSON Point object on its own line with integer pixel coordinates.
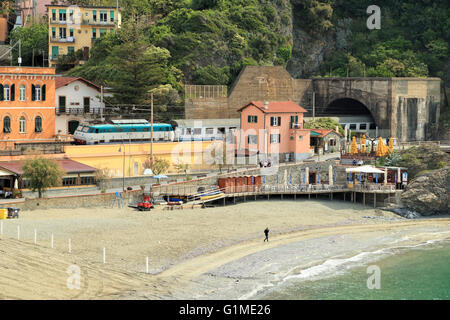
{"type": "Point", "coordinates": [138, 130]}
{"type": "Point", "coordinates": [204, 129]}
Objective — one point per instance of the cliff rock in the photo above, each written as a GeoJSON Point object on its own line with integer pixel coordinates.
{"type": "Point", "coordinates": [429, 193]}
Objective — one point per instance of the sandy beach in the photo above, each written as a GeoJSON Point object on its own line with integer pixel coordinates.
{"type": "Point", "coordinates": [212, 253]}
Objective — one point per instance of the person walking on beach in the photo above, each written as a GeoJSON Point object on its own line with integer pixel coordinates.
{"type": "Point", "coordinates": [266, 232]}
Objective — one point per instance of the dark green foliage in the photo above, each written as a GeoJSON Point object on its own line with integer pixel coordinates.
{"type": "Point", "coordinates": [425, 157]}
{"type": "Point", "coordinates": [34, 42]}
{"type": "Point", "coordinates": [42, 174]}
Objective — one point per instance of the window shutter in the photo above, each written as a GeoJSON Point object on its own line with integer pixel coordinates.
{"type": "Point", "coordinates": [1, 92]}
{"type": "Point", "coordinates": [13, 92]}
{"type": "Point", "coordinates": [33, 92]}
{"type": "Point", "coordinates": [279, 121]}
{"type": "Point", "coordinates": [248, 119]}
{"type": "Point", "coordinates": [43, 92]}
{"type": "Point", "coordinates": [271, 120]}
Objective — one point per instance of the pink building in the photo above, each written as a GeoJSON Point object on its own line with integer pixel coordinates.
{"type": "Point", "coordinates": [32, 10]}
{"type": "Point", "coordinates": [274, 129]}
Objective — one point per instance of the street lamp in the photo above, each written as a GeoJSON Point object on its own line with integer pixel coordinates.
{"type": "Point", "coordinates": [123, 168]}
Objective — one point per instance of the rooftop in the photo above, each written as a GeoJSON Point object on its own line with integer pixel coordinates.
{"type": "Point", "coordinates": [67, 165]}
{"type": "Point", "coordinates": [64, 81]}
{"type": "Point", "coordinates": [276, 107]}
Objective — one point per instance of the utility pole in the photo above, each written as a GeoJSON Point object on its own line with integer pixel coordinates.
{"type": "Point", "coordinates": [314, 105]}
{"type": "Point", "coordinates": [101, 103]}
{"type": "Point", "coordinates": [151, 128]}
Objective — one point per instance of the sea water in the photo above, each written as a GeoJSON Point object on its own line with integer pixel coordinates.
{"type": "Point", "coordinates": [405, 273]}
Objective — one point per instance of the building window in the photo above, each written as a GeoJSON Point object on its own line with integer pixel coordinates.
{"type": "Point", "coordinates": [252, 139]}
{"type": "Point", "coordinates": [69, 181]}
{"type": "Point", "coordinates": [111, 16]}
{"type": "Point", "coordinates": [363, 126]}
{"type": "Point", "coordinates": [22, 125]}
{"type": "Point", "coordinates": [252, 119]}
{"type": "Point", "coordinates": [103, 16]}
{"type": "Point", "coordinates": [71, 16]}
{"type": "Point", "coordinates": [300, 137]}
{"type": "Point", "coordinates": [102, 32]}
{"type": "Point", "coordinates": [94, 33]}
{"type": "Point", "coordinates": [197, 131]}
{"type": "Point", "coordinates": [53, 33]}
{"type": "Point", "coordinates": [332, 142]}
{"type": "Point", "coordinates": [6, 125]}
{"type": "Point", "coordinates": [94, 15]}
{"type": "Point", "coordinates": [38, 124]}
{"type": "Point", "coordinates": [70, 50]}
{"type": "Point", "coordinates": [209, 130]}
{"type": "Point", "coordinates": [353, 126]}
{"type": "Point", "coordinates": [62, 33]}
{"type": "Point", "coordinates": [37, 93]}
{"type": "Point", "coordinates": [6, 92]}
{"type": "Point", "coordinates": [86, 104]}
{"type": "Point", "coordinates": [87, 180]}
{"type": "Point", "coordinates": [188, 131]}
{"type": "Point", "coordinates": [294, 122]}
{"type": "Point", "coordinates": [274, 138]}
{"type": "Point", "coordinates": [53, 14]}
{"type": "Point", "coordinates": [275, 121]}
{"type": "Point", "coordinates": [62, 104]}
{"type": "Point", "coordinates": [62, 15]}
{"type": "Point", "coordinates": [55, 52]}
{"type": "Point", "coordinates": [373, 126]}
{"type": "Point", "coordinates": [71, 33]}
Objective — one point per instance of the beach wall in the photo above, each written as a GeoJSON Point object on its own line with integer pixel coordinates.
{"type": "Point", "coordinates": [73, 202]}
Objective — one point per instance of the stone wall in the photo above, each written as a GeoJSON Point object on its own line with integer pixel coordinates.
{"type": "Point", "coordinates": [78, 201]}
{"type": "Point", "coordinates": [405, 108]}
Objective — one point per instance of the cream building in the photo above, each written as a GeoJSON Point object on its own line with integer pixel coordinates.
{"type": "Point", "coordinates": [73, 28]}
{"type": "Point", "coordinates": [77, 101]}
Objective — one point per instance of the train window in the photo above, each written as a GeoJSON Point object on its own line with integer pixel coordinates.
{"type": "Point", "coordinates": [146, 130]}
{"type": "Point", "coordinates": [85, 129]}
{"type": "Point", "coordinates": [363, 126]}
{"type": "Point", "coordinates": [188, 131]}
{"type": "Point", "coordinates": [221, 130]}
{"type": "Point", "coordinates": [197, 130]}
{"type": "Point", "coordinates": [96, 130]}
{"type": "Point", "coordinates": [119, 130]}
{"type": "Point", "coordinates": [352, 126]}
{"type": "Point", "coordinates": [209, 130]}
{"type": "Point", "coordinates": [133, 129]}
{"type": "Point", "coordinates": [109, 130]}
{"type": "Point", "coordinates": [373, 126]}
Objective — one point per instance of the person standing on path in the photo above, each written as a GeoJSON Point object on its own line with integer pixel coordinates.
{"type": "Point", "coordinates": [266, 232]}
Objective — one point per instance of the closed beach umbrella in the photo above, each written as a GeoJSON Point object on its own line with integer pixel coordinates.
{"type": "Point", "coordinates": [335, 177]}
{"type": "Point", "coordinates": [330, 174]}
{"type": "Point", "coordinates": [307, 175]}
{"type": "Point", "coordinates": [385, 176]}
{"type": "Point", "coordinates": [376, 177]}
{"type": "Point", "coordinates": [318, 177]}
{"type": "Point", "coordinates": [264, 179]}
{"type": "Point", "coordinates": [290, 178]}
{"type": "Point", "coordinates": [277, 179]}
{"type": "Point", "coordinates": [360, 177]}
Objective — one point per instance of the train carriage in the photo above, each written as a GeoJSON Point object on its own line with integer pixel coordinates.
{"type": "Point", "coordinates": [126, 131]}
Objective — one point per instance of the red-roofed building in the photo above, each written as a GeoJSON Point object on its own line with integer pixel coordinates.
{"type": "Point", "coordinates": [76, 174]}
{"type": "Point", "coordinates": [77, 100]}
{"type": "Point", "coordinates": [274, 129]}
{"type": "Point", "coordinates": [326, 140]}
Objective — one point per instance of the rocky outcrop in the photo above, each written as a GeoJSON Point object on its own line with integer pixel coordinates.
{"type": "Point", "coordinates": [429, 193]}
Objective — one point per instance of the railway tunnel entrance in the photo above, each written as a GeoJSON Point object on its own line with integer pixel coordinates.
{"type": "Point", "coordinates": [353, 115]}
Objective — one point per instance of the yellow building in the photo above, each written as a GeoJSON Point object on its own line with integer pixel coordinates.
{"type": "Point", "coordinates": [73, 28]}
{"type": "Point", "coordinates": [130, 158]}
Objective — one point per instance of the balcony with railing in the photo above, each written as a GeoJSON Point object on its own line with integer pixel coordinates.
{"type": "Point", "coordinates": [62, 39]}
{"type": "Point", "coordinates": [98, 22]}
{"type": "Point", "coordinates": [78, 110]}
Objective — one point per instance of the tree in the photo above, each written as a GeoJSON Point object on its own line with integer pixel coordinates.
{"type": "Point", "coordinates": [42, 174]}
{"type": "Point", "coordinates": [34, 41]}
{"type": "Point", "coordinates": [138, 68]}
{"type": "Point", "coordinates": [158, 165]}
{"type": "Point", "coordinates": [324, 123]}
